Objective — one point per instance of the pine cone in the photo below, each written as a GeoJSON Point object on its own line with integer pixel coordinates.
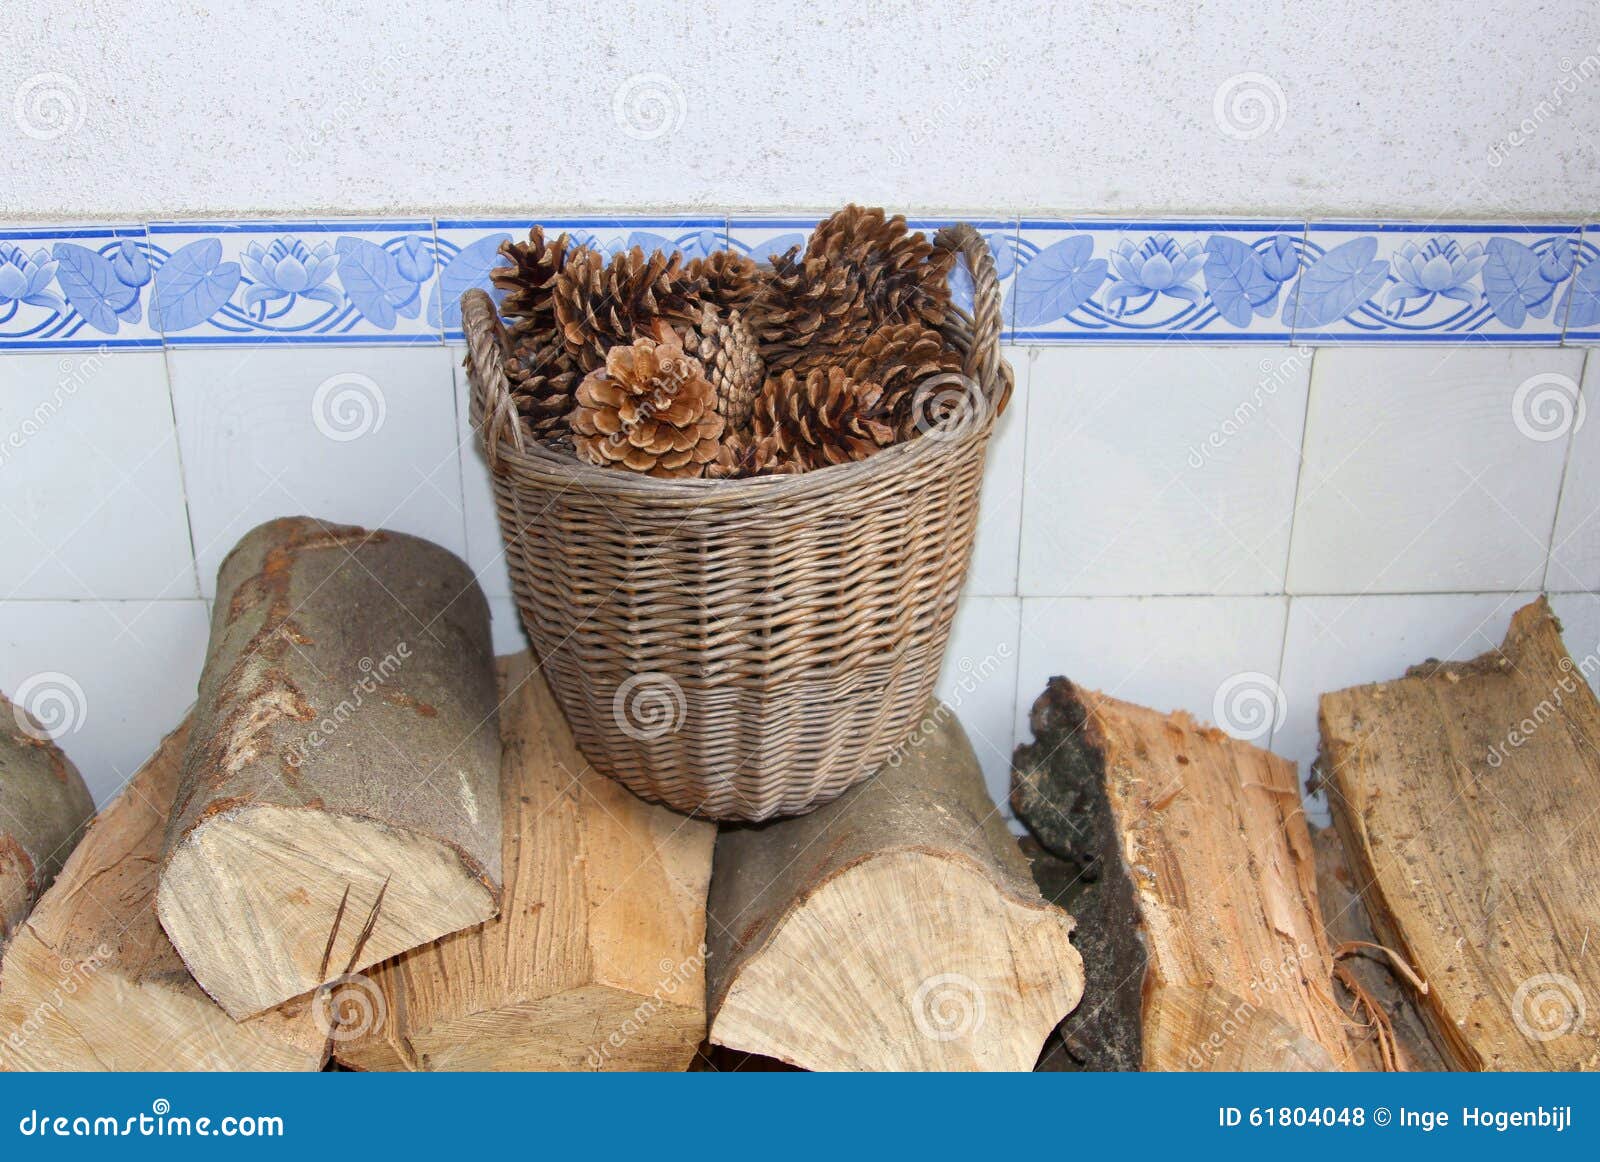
{"type": "Point", "coordinates": [900, 358]}
{"type": "Point", "coordinates": [860, 272]}
{"type": "Point", "coordinates": [805, 422]}
{"type": "Point", "coordinates": [530, 276]}
{"type": "Point", "coordinates": [732, 361]}
{"type": "Point", "coordinates": [543, 376]}
{"type": "Point", "coordinates": [651, 409]}
{"type": "Point", "coordinates": [600, 304]}
{"type": "Point", "coordinates": [732, 281]}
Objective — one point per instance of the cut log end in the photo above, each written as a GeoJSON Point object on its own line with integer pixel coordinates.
{"type": "Point", "coordinates": [269, 902]}
{"type": "Point", "coordinates": [893, 929]}
{"type": "Point", "coordinates": [989, 1007]}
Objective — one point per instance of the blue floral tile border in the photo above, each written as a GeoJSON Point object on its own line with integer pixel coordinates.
{"type": "Point", "coordinates": [1219, 281]}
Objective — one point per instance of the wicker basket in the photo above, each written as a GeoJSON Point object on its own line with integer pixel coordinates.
{"type": "Point", "coordinates": [742, 649]}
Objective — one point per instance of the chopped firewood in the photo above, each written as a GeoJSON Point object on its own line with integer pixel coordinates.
{"type": "Point", "coordinates": [1379, 995]}
{"type": "Point", "coordinates": [91, 982]}
{"type": "Point", "coordinates": [895, 928]}
{"type": "Point", "coordinates": [597, 960]}
{"type": "Point", "coordinates": [1185, 856]}
{"type": "Point", "coordinates": [44, 808]}
{"type": "Point", "coordinates": [1464, 795]}
{"type": "Point", "coordinates": [340, 797]}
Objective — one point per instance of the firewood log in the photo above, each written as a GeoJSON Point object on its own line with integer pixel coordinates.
{"type": "Point", "coordinates": [340, 796]}
{"type": "Point", "coordinates": [91, 981]}
{"type": "Point", "coordinates": [895, 928]}
{"type": "Point", "coordinates": [596, 961]}
{"type": "Point", "coordinates": [1464, 793]}
{"type": "Point", "coordinates": [1190, 870]}
{"type": "Point", "coordinates": [44, 808]}
{"type": "Point", "coordinates": [1387, 1031]}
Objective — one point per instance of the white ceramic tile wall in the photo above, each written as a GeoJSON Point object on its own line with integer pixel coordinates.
{"type": "Point", "coordinates": [1149, 525]}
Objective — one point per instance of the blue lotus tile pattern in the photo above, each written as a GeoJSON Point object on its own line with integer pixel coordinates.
{"type": "Point", "coordinates": [469, 249]}
{"type": "Point", "coordinates": [1063, 281]}
{"type": "Point", "coordinates": [1440, 282]}
{"type": "Point", "coordinates": [1141, 282]}
{"type": "Point", "coordinates": [293, 282]}
{"type": "Point", "coordinates": [75, 287]}
{"type": "Point", "coordinates": [1580, 306]}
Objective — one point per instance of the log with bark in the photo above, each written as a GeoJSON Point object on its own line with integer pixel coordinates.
{"type": "Point", "coordinates": [597, 960]}
{"type": "Point", "coordinates": [1379, 992]}
{"type": "Point", "coordinates": [340, 795]}
{"type": "Point", "coordinates": [44, 807]}
{"type": "Point", "coordinates": [895, 928]}
{"type": "Point", "coordinates": [1464, 793]}
{"type": "Point", "coordinates": [91, 981]}
{"type": "Point", "coordinates": [1185, 856]}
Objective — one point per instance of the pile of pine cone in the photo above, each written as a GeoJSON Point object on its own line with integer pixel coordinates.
{"type": "Point", "coordinates": [721, 367]}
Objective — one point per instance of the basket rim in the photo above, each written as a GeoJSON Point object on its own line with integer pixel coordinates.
{"type": "Point", "coordinates": [509, 450]}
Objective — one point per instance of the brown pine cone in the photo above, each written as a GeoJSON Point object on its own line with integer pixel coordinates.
{"type": "Point", "coordinates": [529, 276]}
{"type": "Point", "coordinates": [651, 409]}
{"type": "Point", "coordinates": [803, 422]}
{"type": "Point", "coordinates": [732, 360]}
{"type": "Point", "coordinates": [601, 304]}
{"type": "Point", "coordinates": [543, 377]}
{"type": "Point", "coordinates": [860, 271]}
{"type": "Point", "coordinates": [732, 280]}
{"type": "Point", "coordinates": [899, 358]}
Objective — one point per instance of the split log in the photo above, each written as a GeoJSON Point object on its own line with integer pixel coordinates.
{"type": "Point", "coordinates": [1464, 793]}
{"type": "Point", "coordinates": [1190, 870]}
{"type": "Point", "coordinates": [91, 982]}
{"type": "Point", "coordinates": [597, 960]}
{"type": "Point", "coordinates": [340, 796]}
{"type": "Point", "coordinates": [1388, 1033]}
{"type": "Point", "coordinates": [895, 928]}
{"type": "Point", "coordinates": [44, 808]}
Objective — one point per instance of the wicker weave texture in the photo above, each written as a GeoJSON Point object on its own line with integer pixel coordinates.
{"type": "Point", "coordinates": [743, 649]}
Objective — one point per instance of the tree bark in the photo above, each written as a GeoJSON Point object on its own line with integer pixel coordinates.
{"type": "Point", "coordinates": [340, 796]}
{"type": "Point", "coordinates": [44, 808]}
{"type": "Point", "coordinates": [1464, 793]}
{"type": "Point", "coordinates": [597, 960]}
{"type": "Point", "coordinates": [894, 928]}
{"type": "Point", "coordinates": [1189, 866]}
{"type": "Point", "coordinates": [91, 981]}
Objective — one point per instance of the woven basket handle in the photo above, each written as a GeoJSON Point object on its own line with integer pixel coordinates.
{"type": "Point", "coordinates": [493, 411]}
{"type": "Point", "coordinates": [983, 356]}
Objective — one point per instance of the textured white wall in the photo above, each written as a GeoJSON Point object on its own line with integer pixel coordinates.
{"type": "Point", "coordinates": [117, 108]}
